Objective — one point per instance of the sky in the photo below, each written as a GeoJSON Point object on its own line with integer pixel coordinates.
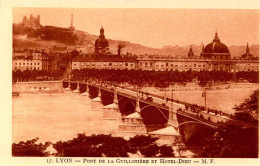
{"type": "Point", "coordinates": [156, 27]}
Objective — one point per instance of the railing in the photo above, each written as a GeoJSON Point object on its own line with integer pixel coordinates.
{"type": "Point", "coordinates": [183, 113]}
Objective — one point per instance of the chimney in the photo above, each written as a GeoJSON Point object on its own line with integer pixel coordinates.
{"type": "Point", "coordinates": [119, 51]}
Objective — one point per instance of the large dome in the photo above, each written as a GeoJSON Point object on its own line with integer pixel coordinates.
{"type": "Point", "coordinates": [216, 46]}
{"type": "Point", "coordinates": [101, 42]}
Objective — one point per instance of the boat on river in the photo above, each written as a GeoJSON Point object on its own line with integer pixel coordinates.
{"type": "Point", "coordinates": [15, 93]}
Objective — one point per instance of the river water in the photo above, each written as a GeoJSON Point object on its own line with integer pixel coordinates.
{"type": "Point", "coordinates": [61, 116]}
{"type": "Point", "coordinates": [54, 117]}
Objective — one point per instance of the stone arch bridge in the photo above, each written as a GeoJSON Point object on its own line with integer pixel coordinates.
{"type": "Point", "coordinates": [154, 112]}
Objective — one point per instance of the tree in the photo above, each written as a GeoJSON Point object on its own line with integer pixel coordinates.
{"type": "Point", "coordinates": [236, 139]}
{"type": "Point", "coordinates": [180, 145]}
{"type": "Point", "coordinates": [248, 111]}
{"type": "Point", "coordinates": [30, 148]}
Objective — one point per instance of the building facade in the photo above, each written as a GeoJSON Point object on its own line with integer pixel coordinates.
{"type": "Point", "coordinates": [30, 60]}
{"type": "Point", "coordinates": [214, 57]}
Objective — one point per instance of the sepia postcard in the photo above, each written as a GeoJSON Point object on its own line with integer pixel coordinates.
{"type": "Point", "coordinates": [129, 83]}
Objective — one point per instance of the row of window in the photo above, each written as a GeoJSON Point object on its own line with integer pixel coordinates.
{"type": "Point", "coordinates": [35, 63]}
{"type": "Point", "coordinates": [26, 68]}
{"type": "Point", "coordinates": [105, 64]}
{"type": "Point", "coordinates": [167, 64]}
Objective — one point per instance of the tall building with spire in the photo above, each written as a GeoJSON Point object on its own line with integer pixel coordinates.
{"type": "Point", "coordinates": [190, 54]}
{"type": "Point", "coordinates": [72, 28]}
{"type": "Point", "coordinates": [101, 44]}
{"type": "Point", "coordinates": [247, 55]}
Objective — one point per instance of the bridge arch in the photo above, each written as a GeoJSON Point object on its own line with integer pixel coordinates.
{"type": "Point", "coordinates": [125, 98]}
{"type": "Point", "coordinates": [126, 105]}
{"type": "Point", "coordinates": [157, 109]}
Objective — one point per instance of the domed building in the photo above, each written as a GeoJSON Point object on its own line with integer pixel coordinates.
{"type": "Point", "coordinates": [101, 44]}
{"type": "Point", "coordinates": [216, 50]}
{"type": "Point", "coordinates": [247, 55]}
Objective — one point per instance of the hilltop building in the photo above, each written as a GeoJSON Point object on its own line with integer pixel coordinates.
{"type": "Point", "coordinates": [33, 22]}
{"type": "Point", "coordinates": [214, 57]}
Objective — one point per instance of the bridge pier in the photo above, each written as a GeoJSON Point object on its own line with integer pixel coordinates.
{"type": "Point", "coordinates": [77, 89]}
{"type": "Point", "coordinates": [173, 114]}
{"type": "Point", "coordinates": [87, 91]}
{"type": "Point", "coordinates": [111, 111]}
{"type": "Point", "coordinates": [166, 135]}
{"type": "Point", "coordinates": [133, 123]}
{"type": "Point", "coordinates": [68, 88]}
{"type": "Point", "coordinates": [96, 103]}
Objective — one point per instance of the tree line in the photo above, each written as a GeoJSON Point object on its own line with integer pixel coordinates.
{"type": "Point", "coordinates": [34, 75]}
{"type": "Point", "coordinates": [95, 146]}
{"type": "Point", "coordinates": [162, 78]}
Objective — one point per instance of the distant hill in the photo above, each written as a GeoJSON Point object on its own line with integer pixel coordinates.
{"type": "Point", "coordinates": [49, 37]}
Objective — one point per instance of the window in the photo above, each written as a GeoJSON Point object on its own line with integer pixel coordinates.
{"type": "Point", "coordinates": [82, 63]}
{"type": "Point", "coordinates": [87, 63]}
{"type": "Point", "coordinates": [126, 64]}
{"type": "Point", "coordinates": [195, 65]}
{"type": "Point", "coordinates": [38, 63]}
{"type": "Point", "coordinates": [115, 64]}
{"type": "Point", "coordinates": [110, 64]}
{"type": "Point", "coordinates": [98, 63]}
{"type": "Point", "coordinates": [75, 64]}
{"type": "Point", "coordinates": [166, 64]}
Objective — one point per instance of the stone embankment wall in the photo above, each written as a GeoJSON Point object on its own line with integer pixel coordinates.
{"type": "Point", "coordinates": [41, 86]}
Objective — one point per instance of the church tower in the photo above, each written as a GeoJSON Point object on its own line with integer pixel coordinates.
{"type": "Point", "coordinates": [190, 54]}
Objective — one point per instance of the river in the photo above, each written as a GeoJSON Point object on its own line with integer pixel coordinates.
{"type": "Point", "coordinates": [61, 116]}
